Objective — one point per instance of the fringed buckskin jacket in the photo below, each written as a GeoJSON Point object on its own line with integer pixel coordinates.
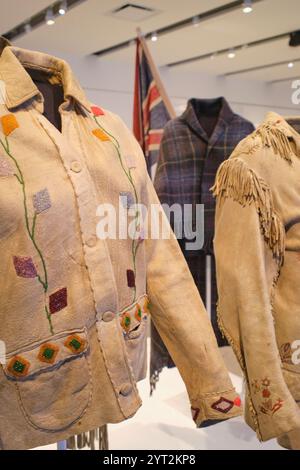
{"type": "Point", "coordinates": [257, 248]}
{"type": "Point", "coordinates": [74, 308]}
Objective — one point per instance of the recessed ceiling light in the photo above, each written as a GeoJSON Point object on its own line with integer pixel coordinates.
{"type": "Point", "coordinates": [27, 28]}
{"type": "Point", "coordinates": [231, 54]}
{"type": "Point", "coordinates": [63, 8]}
{"type": "Point", "coordinates": [49, 18]}
{"type": "Point", "coordinates": [290, 65]}
{"type": "Point", "coordinates": [196, 21]}
{"type": "Point", "coordinates": [154, 37]}
{"type": "Point", "coordinates": [247, 6]}
{"type": "Point", "coordinates": [214, 55]}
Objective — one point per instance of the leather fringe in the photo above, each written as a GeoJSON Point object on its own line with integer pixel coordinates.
{"type": "Point", "coordinates": [103, 438]}
{"type": "Point", "coordinates": [237, 181]}
{"type": "Point", "coordinates": [89, 439]}
{"type": "Point", "coordinates": [276, 139]}
{"type": "Point", "coordinates": [154, 379]}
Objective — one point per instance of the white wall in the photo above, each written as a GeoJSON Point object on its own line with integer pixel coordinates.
{"type": "Point", "coordinates": [110, 84]}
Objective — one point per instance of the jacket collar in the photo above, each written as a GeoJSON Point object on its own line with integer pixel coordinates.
{"type": "Point", "coordinates": [225, 116]}
{"type": "Point", "coordinates": [275, 120]}
{"type": "Point", "coordinates": [19, 86]}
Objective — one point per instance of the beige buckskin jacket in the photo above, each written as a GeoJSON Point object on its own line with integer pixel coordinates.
{"type": "Point", "coordinates": [74, 308]}
{"type": "Point", "coordinates": [257, 247]}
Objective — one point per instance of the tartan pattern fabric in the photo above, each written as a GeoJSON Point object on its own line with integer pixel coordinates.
{"type": "Point", "coordinates": [186, 170]}
{"type": "Point", "coordinates": [150, 113]}
{"type": "Point", "coordinates": [189, 160]}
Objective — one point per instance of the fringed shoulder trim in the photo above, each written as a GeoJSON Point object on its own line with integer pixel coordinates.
{"type": "Point", "coordinates": [268, 135]}
{"type": "Point", "coordinates": [237, 181]}
{"type": "Point", "coordinates": [274, 137]}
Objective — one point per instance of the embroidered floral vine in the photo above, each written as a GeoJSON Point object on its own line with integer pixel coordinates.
{"type": "Point", "coordinates": [104, 135]}
{"type": "Point", "coordinates": [269, 405]}
{"type": "Point", "coordinates": [9, 124]}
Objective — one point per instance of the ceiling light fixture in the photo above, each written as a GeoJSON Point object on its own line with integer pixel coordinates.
{"type": "Point", "coordinates": [27, 28]}
{"type": "Point", "coordinates": [294, 39]}
{"type": "Point", "coordinates": [247, 6]}
{"type": "Point", "coordinates": [290, 65]}
{"type": "Point", "coordinates": [231, 54]}
{"type": "Point", "coordinates": [213, 56]}
{"type": "Point", "coordinates": [49, 17]}
{"type": "Point", "coordinates": [196, 21]}
{"type": "Point", "coordinates": [63, 8]}
{"type": "Point", "coordinates": [154, 37]}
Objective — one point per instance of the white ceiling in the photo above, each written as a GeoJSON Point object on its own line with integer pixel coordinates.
{"type": "Point", "coordinates": [89, 27]}
{"type": "Point", "coordinates": [13, 12]}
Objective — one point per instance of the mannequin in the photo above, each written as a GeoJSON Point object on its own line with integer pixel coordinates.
{"type": "Point", "coordinates": [53, 95]}
{"type": "Point", "coordinates": [207, 111]}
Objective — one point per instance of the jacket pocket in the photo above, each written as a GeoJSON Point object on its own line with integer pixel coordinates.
{"type": "Point", "coordinates": [134, 321]}
{"type": "Point", "coordinates": [53, 380]}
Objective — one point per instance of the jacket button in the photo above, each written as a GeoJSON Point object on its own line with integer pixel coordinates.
{"type": "Point", "coordinates": [108, 316]}
{"type": "Point", "coordinates": [126, 389]}
{"type": "Point", "coordinates": [76, 167]}
{"type": "Point", "coordinates": [92, 241]}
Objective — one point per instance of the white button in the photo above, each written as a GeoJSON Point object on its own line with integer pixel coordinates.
{"type": "Point", "coordinates": [108, 316]}
{"type": "Point", "coordinates": [76, 167]}
{"type": "Point", "coordinates": [92, 241]}
{"type": "Point", "coordinates": [126, 389]}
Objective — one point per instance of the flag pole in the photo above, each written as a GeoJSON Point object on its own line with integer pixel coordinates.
{"type": "Point", "coordinates": [156, 75]}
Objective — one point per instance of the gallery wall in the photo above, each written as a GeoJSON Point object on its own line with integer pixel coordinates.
{"type": "Point", "coordinates": [110, 84]}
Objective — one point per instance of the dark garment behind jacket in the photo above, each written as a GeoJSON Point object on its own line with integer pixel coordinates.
{"type": "Point", "coordinates": [188, 161]}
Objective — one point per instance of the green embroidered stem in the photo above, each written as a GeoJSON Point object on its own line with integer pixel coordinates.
{"type": "Point", "coordinates": [31, 231]}
{"type": "Point", "coordinates": [132, 183]}
{"type": "Point", "coordinates": [133, 249]}
{"type": "Point", "coordinates": [135, 243]}
{"type": "Point", "coordinates": [106, 132]}
{"type": "Point", "coordinates": [33, 224]}
{"type": "Point", "coordinates": [49, 319]}
{"type": "Point", "coordinates": [18, 178]}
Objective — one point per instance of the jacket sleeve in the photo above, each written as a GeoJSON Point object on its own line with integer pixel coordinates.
{"type": "Point", "coordinates": [182, 322]}
{"type": "Point", "coordinates": [249, 249]}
